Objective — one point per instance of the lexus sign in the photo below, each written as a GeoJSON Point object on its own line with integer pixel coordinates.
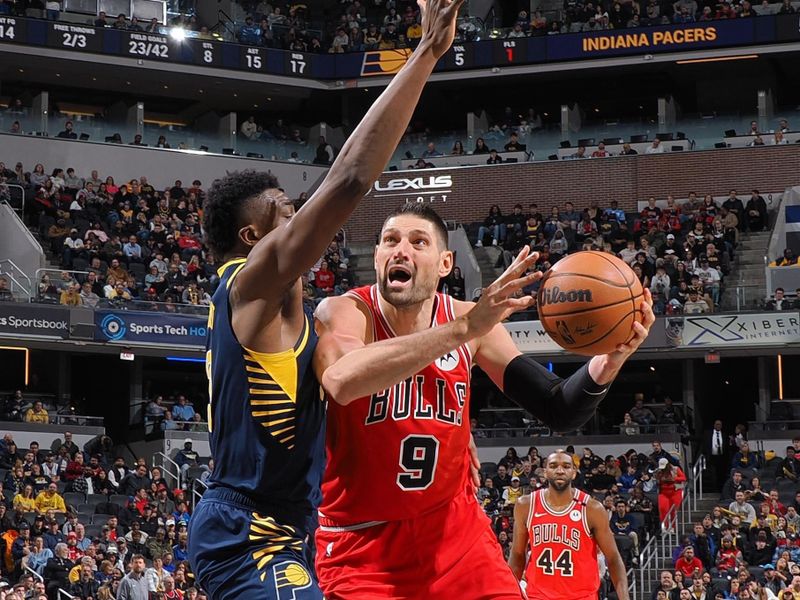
{"type": "Point", "coordinates": [416, 189]}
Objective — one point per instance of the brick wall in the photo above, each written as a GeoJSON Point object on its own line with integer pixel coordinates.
{"type": "Point", "coordinates": [625, 179]}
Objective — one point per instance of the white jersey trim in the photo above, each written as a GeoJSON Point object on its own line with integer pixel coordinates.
{"type": "Point", "coordinates": [352, 527]}
{"type": "Point", "coordinates": [560, 513]}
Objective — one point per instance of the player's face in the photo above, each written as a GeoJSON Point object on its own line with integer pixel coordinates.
{"type": "Point", "coordinates": [409, 261]}
{"type": "Point", "coordinates": [270, 210]}
{"type": "Point", "coordinates": [559, 471]}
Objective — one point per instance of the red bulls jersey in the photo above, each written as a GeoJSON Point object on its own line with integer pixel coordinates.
{"type": "Point", "coordinates": [563, 561]}
{"type": "Point", "coordinates": [403, 451]}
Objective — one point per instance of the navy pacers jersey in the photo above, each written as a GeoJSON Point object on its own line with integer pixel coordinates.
{"type": "Point", "coordinates": [266, 416]}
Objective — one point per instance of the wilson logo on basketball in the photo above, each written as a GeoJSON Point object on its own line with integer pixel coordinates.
{"type": "Point", "coordinates": [555, 295]}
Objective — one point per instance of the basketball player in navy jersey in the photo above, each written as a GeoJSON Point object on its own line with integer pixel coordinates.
{"type": "Point", "coordinates": [250, 533]}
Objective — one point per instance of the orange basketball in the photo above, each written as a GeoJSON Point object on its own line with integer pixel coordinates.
{"type": "Point", "coordinates": [588, 302]}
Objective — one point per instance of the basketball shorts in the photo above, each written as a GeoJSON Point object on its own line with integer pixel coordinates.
{"type": "Point", "coordinates": [450, 552]}
{"type": "Point", "coordinates": [238, 553]}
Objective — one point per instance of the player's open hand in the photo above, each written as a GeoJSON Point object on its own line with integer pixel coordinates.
{"type": "Point", "coordinates": [502, 299]}
{"type": "Point", "coordinates": [438, 24]}
{"type": "Point", "coordinates": [640, 331]}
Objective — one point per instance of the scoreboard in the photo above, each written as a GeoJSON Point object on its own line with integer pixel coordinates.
{"type": "Point", "coordinates": [493, 53]}
{"type": "Point", "coordinates": [480, 55]}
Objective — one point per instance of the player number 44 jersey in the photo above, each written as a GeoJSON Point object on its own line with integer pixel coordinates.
{"type": "Point", "coordinates": [400, 452]}
{"type": "Point", "coordinates": [563, 560]}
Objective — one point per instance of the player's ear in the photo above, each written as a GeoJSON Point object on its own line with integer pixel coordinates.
{"type": "Point", "coordinates": [249, 235]}
{"type": "Point", "coordinates": [446, 263]}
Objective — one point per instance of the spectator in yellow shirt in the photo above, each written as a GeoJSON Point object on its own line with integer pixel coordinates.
{"type": "Point", "coordinates": [71, 296]}
{"type": "Point", "coordinates": [25, 502]}
{"type": "Point", "coordinates": [37, 414]}
{"type": "Point", "coordinates": [787, 260]}
{"type": "Point", "coordinates": [512, 493]}
{"type": "Point", "coordinates": [50, 499]}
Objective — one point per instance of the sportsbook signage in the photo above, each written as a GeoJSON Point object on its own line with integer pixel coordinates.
{"type": "Point", "coordinates": [32, 320]}
{"type": "Point", "coordinates": [133, 327]}
{"type": "Point", "coordinates": [724, 330]}
{"type": "Point", "coordinates": [461, 56]}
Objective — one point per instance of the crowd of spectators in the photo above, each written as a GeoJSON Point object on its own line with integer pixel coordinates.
{"type": "Point", "coordinates": [633, 487]}
{"type": "Point", "coordinates": [356, 26]}
{"type": "Point", "coordinates": [598, 16]}
{"type": "Point", "coordinates": [85, 521]}
{"type": "Point", "coordinates": [131, 245]}
{"type": "Point", "coordinates": [681, 251]}
{"type": "Point", "coordinates": [748, 546]}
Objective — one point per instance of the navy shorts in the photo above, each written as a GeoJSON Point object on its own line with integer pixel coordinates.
{"type": "Point", "coordinates": [238, 553]}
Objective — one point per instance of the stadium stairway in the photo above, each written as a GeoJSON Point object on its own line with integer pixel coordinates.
{"type": "Point", "coordinates": [663, 561]}
{"type": "Point", "coordinates": [745, 286]}
{"type": "Point", "coordinates": [487, 259]}
{"type": "Point", "coordinates": [362, 263]}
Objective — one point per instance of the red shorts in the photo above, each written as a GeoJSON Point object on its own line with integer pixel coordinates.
{"type": "Point", "coordinates": [450, 552]}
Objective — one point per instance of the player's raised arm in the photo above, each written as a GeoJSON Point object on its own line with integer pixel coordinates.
{"type": "Point", "coordinates": [519, 544]}
{"type": "Point", "coordinates": [562, 404]}
{"type": "Point", "coordinates": [292, 249]}
{"type": "Point", "coordinates": [601, 532]}
{"type": "Point", "coordinates": [350, 367]}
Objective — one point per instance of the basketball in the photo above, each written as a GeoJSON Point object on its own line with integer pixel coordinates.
{"type": "Point", "coordinates": [589, 301]}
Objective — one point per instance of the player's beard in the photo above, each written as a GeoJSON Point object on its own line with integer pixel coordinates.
{"type": "Point", "coordinates": [558, 486]}
{"type": "Point", "coordinates": [416, 293]}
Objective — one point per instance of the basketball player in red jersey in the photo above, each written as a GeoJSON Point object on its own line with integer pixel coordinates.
{"type": "Point", "coordinates": [563, 527]}
{"type": "Point", "coordinates": [399, 517]}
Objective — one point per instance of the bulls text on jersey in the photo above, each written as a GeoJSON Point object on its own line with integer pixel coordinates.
{"type": "Point", "coordinates": [552, 533]}
{"type": "Point", "coordinates": [406, 400]}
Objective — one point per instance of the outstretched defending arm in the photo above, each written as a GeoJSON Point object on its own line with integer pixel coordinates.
{"type": "Point", "coordinates": [289, 251]}
{"type": "Point", "coordinates": [562, 404]}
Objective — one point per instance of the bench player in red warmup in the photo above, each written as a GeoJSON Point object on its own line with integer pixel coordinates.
{"type": "Point", "coordinates": [399, 517]}
{"type": "Point", "coordinates": [563, 527]}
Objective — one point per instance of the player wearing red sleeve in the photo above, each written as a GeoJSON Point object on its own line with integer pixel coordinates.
{"type": "Point", "coordinates": [563, 527]}
{"type": "Point", "coordinates": [399, 517]}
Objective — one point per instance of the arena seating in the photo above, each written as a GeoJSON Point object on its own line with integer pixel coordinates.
{"type": "Point", "coordinates": [100, 234]}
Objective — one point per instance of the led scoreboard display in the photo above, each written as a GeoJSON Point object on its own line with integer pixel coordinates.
{"type": "Point", "coordinates": [483, 54]}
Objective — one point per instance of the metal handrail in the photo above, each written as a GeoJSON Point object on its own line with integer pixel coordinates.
{"type": "Point", "coordinates": [21, 210]}
{"type": "Point", "coordinates": [198, 489]}
{"type": "Point", "coordinates": [72, 419]}
{"type": "Point", "coordinates": [631, 574]}
{"type": "Point", "coordinates": [23, 274]}
{"type": "Point", "coordinates": [65, 594]}
{"type": "Point", "coordinates": [37, 275]}
{"type": "Point", "coordinates": [34, 573]}
{"type": "Point", "coordinates": [166, 463]}
{"type": "Point", "coordinates": [660, 546]}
